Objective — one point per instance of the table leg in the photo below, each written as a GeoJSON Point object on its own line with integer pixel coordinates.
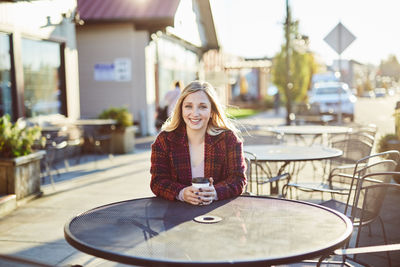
{"type": "Point", "coordinates": [274, 186]}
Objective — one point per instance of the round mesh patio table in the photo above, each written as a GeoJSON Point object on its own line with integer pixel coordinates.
{"type": "Point", "coordinates": [317, 133]}
{"type": "Point", "coordinates": [242, 231]}
{"type": "Point", "coordinates": [289, 153]}
{"type": "Point", "coordinates": [310, 129]}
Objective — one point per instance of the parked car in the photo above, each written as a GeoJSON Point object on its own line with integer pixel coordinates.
{"type": "Point", "coordinates": [380, 92]}
{"type": "Point", "coordinates": [368, 94]}
{"type": "Point", "coordinates": [329, 95]}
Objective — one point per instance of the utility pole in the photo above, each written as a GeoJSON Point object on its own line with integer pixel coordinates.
{"type": "Point", "coordinates": [288, 84]}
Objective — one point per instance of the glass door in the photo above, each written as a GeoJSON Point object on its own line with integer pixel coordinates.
{"type": "Point", "coordinates": [6, 105]}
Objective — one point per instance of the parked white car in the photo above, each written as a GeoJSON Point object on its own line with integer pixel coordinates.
{"type": "Point", "coordinates": [329, 95]}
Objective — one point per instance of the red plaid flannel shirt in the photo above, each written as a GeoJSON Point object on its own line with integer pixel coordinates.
{"type": "Point", "coordinates": [170, 164]}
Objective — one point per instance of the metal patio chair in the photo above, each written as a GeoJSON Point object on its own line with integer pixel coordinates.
{"type": "Point", "coordinates": [55, 151]}
{"type": "Point", "coordinates": [364, 207]}
{"type": "Point", "coordinates": [370, 201]}
{"type": "Point", "coordinates": [370, 129]}
{"type": "Point", "coordinates": [260, 174]}
{"type": "Point", "coordinates": [355, 152]}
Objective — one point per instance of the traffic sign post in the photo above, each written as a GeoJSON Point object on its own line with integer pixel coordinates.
{"type": "Point", "coordinates": [339, 39]}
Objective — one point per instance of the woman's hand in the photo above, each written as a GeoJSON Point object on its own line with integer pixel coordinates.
{"type": "Point", "coordinates": [191, 195]}
{"type": "Point", "coordinates": [208, 194]}
{"type": "Point", "coordinates": [200, 196]}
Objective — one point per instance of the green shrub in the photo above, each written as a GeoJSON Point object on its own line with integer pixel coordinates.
{"type": "Point", "coordinates": [390, 142]}
{"type": "Point", "coordinates": [17, 139]}
{"type": "Point", "coordinates": [240, 113]}
{"type": "Point", "coordinates": [123, 117]}
{"type": "Point", "coordinates": [384, 142]}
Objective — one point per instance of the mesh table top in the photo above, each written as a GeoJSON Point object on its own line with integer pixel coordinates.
{"type": "Point", "coordinates": [292, 152]}
{"type": "Point", "coordinates": [251, 230]}
{"type": "Point", "coordinates": [310, 129]}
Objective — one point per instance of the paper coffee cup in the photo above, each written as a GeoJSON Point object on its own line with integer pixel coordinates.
{"type": "Point", "coordinates": [200, 182]}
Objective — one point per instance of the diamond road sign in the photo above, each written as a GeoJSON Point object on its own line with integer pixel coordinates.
{"type": "Point", "coordinates": [339, 38]}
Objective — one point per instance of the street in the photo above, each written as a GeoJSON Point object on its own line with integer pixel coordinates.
{"type": "Point", "coordinates": [378, 111]}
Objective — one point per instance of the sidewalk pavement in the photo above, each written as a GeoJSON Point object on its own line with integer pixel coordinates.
{"type": "Point", "coordinates": [35, 229]}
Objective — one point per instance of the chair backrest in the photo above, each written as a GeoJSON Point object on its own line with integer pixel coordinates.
{"type": "Point", "coordinates": [377, 163]}
{"type": "Point", "coordinates": [250, 160]}
{"type": "Point", "coordinates": [370, 129]}
{"type": "Point", "coordinates": [371, 244]}
{"type": "Point", "coordinates": [261, 137]}
{"type": "Point", "coordinates": [370, 195]}
{"type": "Point", "coordinates": [354, 146]}
{"type": "Point", "coordinates": [371, 170]}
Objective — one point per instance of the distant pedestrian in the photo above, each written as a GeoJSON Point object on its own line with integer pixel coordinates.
{"type": "Point", "coordinates": [172, 96]}
{"type": "Point", "coordinates": [244, 86]}
{"type": "Point", "coordinates": [167, 105]}
{"type": "Point", "coordinates": [198, 141]}
{"type": "Point", "coordinates": [277, 102]}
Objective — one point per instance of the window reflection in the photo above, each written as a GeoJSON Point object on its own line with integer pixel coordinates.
{"type": "Point", "coordinates": [175, 63]}
{"type": "Point", "coordinates": [42, 84]}
{"type": "Point", "coordinates": [5, 75]}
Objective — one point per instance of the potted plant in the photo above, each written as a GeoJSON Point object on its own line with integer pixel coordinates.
{"type": "Point", "coordinates": [123, 137]}
{"type": "Point", "coordinates": [19, 163]}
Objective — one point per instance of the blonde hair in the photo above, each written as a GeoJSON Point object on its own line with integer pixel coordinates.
{"type": "Point", "coordinates": [218, 122]}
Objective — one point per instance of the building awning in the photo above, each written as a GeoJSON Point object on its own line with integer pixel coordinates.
{"type": "Point", "coordinates": [206, 21]}
{"type": "Point", "coordinates": [158, 13]}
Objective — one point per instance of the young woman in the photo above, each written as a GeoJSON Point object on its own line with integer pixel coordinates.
{"type": "Point", "coordinates": [197, 141]}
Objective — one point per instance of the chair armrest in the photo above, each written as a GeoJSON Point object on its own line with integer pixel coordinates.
{"type": "Point", "coordinates": [340, 175]}
{"type": "Point", "coordinates": [370, 249]}
{"type": "Point", "coordinates": [345, 167]}
{"type": "Point", "coordinates": [275, 178]}
{"type": "Point", "coordinates": [318, 188]}
{"type": "Point", "coordinates": [345, 175]}
{"type": "Point", "coordinates": [279, 177]}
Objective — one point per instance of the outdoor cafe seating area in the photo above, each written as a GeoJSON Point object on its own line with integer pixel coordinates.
{"type": "Point", "coordinates": [67, 141]}
{"type": "Point", "coordinates": [326, 184]}
{"type": "Point", "coordinates": [333, 166]}
{"type": "Point", "coordinates": [358, 182]}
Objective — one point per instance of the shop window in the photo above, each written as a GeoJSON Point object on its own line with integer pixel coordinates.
{"type": "Point", "coordinates": [175, 63]}
{"type": "Point", "coordinates": [6, 104]}
{"type": "Point", "coordinates": [43, 83]}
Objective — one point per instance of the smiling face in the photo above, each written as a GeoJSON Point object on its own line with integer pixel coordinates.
{"type": "Point", "coordinates": [196, 111]}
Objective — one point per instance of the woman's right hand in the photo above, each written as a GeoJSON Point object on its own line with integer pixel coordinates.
{"type": "Point", "coordinates": [190, 195]}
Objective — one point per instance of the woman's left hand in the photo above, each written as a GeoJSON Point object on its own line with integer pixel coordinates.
{"type": "Point", "coordinates": [208, 194]}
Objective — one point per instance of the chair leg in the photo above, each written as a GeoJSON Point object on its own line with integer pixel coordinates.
{"type": "Point", "coordinates": [385, 240]}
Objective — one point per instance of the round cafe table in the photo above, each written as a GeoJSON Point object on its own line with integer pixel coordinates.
{"type": "Point", "coordinates": [289, 153]}
{"type": "Point", "coordinates": [315, 131]}
{"type": "Point", "coordinates": [310, 129]}
{"type": "Point", "coordinates": [244, 231]}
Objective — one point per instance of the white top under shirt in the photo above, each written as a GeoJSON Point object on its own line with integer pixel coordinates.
{"type": "Point", "coordinates": [197, 171]}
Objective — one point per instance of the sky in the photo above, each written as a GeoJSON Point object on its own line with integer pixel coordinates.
{"type": "Point", "coordinates": [254, 28]}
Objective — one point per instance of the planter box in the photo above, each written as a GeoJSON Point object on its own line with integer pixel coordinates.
{"type": "Point", "coordinates": [21, 176]}
{"type": "Point", "coordinates": [123, 141]}
{"type": "Point", "coordinates": [393, 144]}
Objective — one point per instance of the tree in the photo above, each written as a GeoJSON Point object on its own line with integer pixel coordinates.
{"type": "Point", "coordinates": [293, 83]}
{"type": "Point", "coordinates": [390, 67]}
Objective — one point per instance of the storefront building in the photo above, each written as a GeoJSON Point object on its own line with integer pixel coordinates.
{"type": "Point", "coordinates": [128, 56]}
{"type": "Point", "coordinates": [38, 59]}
